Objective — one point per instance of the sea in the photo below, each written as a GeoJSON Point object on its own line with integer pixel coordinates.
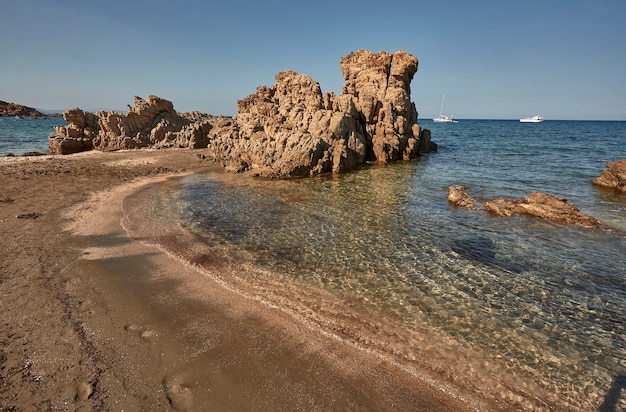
{"type": "Point", "coordinates": [19, 136]}
{"type": "Point", "coordinates": [528, 313]}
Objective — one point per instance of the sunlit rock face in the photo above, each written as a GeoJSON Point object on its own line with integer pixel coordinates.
{"type": "Point", "coordinates": [149, 123]}
{"type": "Point", "coordinates": [289, 129]}
{"type": "Point", "coordinates": [292, 129]}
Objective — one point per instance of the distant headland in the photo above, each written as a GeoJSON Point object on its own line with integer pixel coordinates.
{"type": "Point", "coordinates": [18, 110]}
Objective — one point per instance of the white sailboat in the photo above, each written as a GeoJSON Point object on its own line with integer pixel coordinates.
{"type": "Point", "coordinates": [443, 118]}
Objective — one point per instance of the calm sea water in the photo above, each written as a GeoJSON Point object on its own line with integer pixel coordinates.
{"type": "Point", "coordinates": [540, 308]}
{"type": "Point", "coordinates": [528, 313]}
{"type": "Point", "coordinates": [18, 136]}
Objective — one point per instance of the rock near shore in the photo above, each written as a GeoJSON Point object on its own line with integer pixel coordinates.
{"type": "Point", "coordinates": [150, 123]}
{"type": "Point", "coordinates": [538, 204]}
{"type": "Point", "coordinates": [289, 129]}
{"type": "Point", "coordinates": [292, 129]}
{"type": "Point", "coordinates": [614, 177]}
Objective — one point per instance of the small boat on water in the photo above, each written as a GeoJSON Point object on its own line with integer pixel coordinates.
{"type": "Point", "coordinates": [534, 119]}
{"type": "Point", "coordinates": [443, 118]}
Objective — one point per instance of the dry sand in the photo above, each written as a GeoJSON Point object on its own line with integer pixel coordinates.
{"type": "Point", "coordinates": [92, 320]}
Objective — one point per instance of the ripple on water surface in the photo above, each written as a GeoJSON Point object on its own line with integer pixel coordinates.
{"type": "Point", "coordinates": [543, 303]}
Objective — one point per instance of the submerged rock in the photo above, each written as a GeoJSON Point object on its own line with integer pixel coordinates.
{"type": "Point", "coordinates": [614, 177]}
{"type": "Point", "coordinates": [458, 196]}
{"type": "Point", "coordinates": [544, 206]}
{"type": "Point", "coordinates": [547, 207]}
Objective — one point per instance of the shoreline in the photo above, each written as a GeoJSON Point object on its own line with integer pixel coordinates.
{"type": "Point", "coordinates": [94, 320]}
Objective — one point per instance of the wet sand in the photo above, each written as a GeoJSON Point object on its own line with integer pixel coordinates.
{"type": "Point", "coordinates": [92, 320]}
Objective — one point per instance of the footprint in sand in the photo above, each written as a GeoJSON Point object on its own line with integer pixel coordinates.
{"type": "Point", "coordinates": [179, 395]}
{"type": "Point", "coordinates": [83, 391]}
{"type": "Point", "coordinates": [145, 334]}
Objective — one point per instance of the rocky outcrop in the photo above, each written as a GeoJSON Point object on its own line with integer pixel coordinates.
{"type": "Point", "coordinates": [77, 136]}
{"type": "Point", "coordinates": [152, 122]}
{"type": "Point", "coordinates": [544, 206]}
{"type": "Point", "coordinates": [289, 129]}
{"type": "Point", "coordinates": [292, 129]}
{"type": "Point", "coordinates": [614, 177]}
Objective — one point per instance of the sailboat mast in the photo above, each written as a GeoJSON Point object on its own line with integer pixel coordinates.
{"type": "Point", "coordinates": [441, 108]}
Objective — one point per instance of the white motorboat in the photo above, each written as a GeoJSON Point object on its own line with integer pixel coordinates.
{"type": "Point", "coordinates": [443, 118]}
{"type": "Point", "coordinates": [534, 119]}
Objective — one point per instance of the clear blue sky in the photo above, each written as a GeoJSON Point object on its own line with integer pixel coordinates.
{"type": "Point", "coordinates": [564, 59]}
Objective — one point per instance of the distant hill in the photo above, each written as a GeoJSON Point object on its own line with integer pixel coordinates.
{"type": "Point", "coordinates": [14, 109]}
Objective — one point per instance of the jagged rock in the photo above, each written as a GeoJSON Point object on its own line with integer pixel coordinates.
{"type": "Point", "coordinates": [457, 196]}
{"type": "Point", "coordinates": [193, 135]}
{"type": "Point", "coordinates": [152, 122]}
{"type": "Point", "coordinates": [292, 129]}
{"type": "Point", "coordinates": [614, 177]}
{"type": "Point", "coordinates": [144, 125]}
{"type": "Point", "coordinates": [289, 129]}
{"type": "Point", "coordinates": [77, 136]}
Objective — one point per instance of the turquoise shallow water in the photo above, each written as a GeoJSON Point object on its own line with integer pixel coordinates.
{"type": "Point", "coordinates": [549, 298]}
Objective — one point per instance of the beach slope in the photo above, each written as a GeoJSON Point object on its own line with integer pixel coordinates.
{"type": "Point", "coordinates": [92, 320]}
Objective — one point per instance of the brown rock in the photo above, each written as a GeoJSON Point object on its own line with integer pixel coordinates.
{"type": "Point", "coordinates": [152, 122]}
{"type": "Point", "coordinates": [614, 177]}
{"type": "Point", "coordinates": [69, 145]}
{"type": "Point", "coordinates": [498, 206]}
{"type": "Point", "coordinates": [289, 129]}
{"type": "Point", "coordinates": [544, 206]}
{"type": "Point", "coordinates": [457, 196]}
{"type": "Point", "coordinates": [77, 136]}
{"type": "Point", "coordinates": [292, 129]}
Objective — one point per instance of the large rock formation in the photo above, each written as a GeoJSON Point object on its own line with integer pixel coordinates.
{"type": "Point", "coordinates": [152, 122]}
{"type": "Point", "coordinates": [614, 177]}
{"type": "Point", "coordinates": [292, 129]}
{"type": "Point", "coordinates": [289, 129]}
{"type": "Point", "coordinates": [544, 206]}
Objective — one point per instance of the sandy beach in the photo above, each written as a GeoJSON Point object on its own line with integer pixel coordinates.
{"type": "Point", "coordinates": [92, 320]}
